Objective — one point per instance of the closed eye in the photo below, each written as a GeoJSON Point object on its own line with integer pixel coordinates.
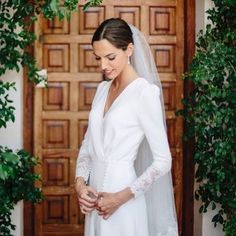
{"type": "Point", "coordinates": [111, 58]}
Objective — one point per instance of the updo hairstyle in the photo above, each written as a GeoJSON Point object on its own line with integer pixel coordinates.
{"type": "Point", "coordinates": [116, 31]}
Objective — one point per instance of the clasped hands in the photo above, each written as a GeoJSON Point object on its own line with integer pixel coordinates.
{"type": "Point", "coordinates": [105, 203]}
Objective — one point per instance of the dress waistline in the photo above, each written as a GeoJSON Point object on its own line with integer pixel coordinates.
{"type": "Point", "coordinates": [111, 176]}
{"type": "Point", "coordinates": [113, 162]}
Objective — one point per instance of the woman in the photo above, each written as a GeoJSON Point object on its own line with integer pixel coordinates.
{"type": "Point", "coordinates": [126, 130]}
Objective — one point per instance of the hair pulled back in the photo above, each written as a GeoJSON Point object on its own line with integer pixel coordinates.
{"type": "Point", "coordinates": [116, 31]}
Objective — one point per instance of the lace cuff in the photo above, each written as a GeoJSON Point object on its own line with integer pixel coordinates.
{"type": "Point", "coordinates": [83, 164]}
{"type": "Point", "coordinates": [83, 168]}
{"type": "Point", "coordinates": [152, 173]}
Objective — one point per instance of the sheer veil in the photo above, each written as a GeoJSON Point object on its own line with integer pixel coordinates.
{"type": "Point", "coordinates": [159, 198]}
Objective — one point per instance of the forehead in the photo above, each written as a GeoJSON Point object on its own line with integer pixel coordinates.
{"type": "Point", "coordinates": [103, 47]}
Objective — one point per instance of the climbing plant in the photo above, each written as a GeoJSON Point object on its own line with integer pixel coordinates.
{"type": "Point", "coordinates": [17, 181]}
{"type": "Point", "coordinates": [16, 35]}
{"type": "Point", "coordinates": [210, 114]}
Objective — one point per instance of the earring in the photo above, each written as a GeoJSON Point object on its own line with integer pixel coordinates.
{"type": "Point", "coordinates": [128, 60]}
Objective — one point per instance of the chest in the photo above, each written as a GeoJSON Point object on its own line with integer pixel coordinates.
{"type": "Point", "coordinates": [121, 113]}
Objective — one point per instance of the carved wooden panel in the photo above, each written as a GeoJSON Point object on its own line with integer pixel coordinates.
{"type": "Point", "coordinates": [56, 57]}
{"type": "Point", "coordinates": [56, 210]}
{"type": "Point", "coordinates": [164, 56]}
{"type": "Point", "coordinates": [162, 20]}
{"type": "Point", "coordinates": [56, 170]}
{"type": "Point", "coordinates": [171, 132]}
{"type": "Point", "coordinates": [177, 180]}
{"type": "Point", "coordinates": [173, 171]}
{"type": "Point", "coordinates": [87, 62]}
{"type": "Point", "coordinates": [129, 14]}
{"type": "Point", "coordinates": [55, 26]}
{"type": "Point", "coordinates": [55, 134]}
{"type": "Point", "coordinates": [91, 19]}
{"type": "Point", "coordinates": [87, 91]}
{"type": "Point", "coordinates": [81, 218]}
{"type": "Point", "coordinates": [62, 110]}
{"type": "Point", "coordinates": [56, 96]}
{"type": "Point", "coordinates": [82, 127]}
{"type": "Point", "coordinates": [169, 95]}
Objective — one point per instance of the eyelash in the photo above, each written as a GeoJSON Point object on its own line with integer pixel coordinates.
{"type": "Point", "coordinates": [110, 59]}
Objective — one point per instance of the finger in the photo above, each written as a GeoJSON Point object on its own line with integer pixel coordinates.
{"type": "Point", "coordinates": [87, 198]}
{"type": "Point", "coordinates": [103, 209]}
{"type": "Point", "coordinates": [94, 192]}
{"type": "Point", "coordinates": [86, 203]}
{"type": "Point", "coordinates": [100, 213]}
{"type": "Point", "coordinates": [82, 210]}
{"type": "Point", "coordinates": [86, 210]}
{"type": "Point", "coordinates": [105, 217]}
{"type": "Point", "coordinates": [102, 202]}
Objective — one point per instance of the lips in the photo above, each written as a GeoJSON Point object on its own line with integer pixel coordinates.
{"type": "Point", "coordinates": [108, 72]}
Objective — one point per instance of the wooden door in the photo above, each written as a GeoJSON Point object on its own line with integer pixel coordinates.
{"type": "Point", "coordinates": [61, 110]}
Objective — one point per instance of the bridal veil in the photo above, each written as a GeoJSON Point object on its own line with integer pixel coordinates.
{"type": "Point", "coordinates": [159, 198]}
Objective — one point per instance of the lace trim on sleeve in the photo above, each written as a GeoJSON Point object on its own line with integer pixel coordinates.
{"type": "Point", "coordinates": [152, 173]}
{"type": "Point", "coordinates": [83, 168]}
{"type": "Point", "coordinates": [83, 164]}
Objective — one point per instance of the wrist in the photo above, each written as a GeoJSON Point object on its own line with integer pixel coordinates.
{"type": "Point", "coordinates": [124, 195]}
{"type": "Point", "coordinates": [79, 184]}
{"type": "Point", "coordinates": [79, 180]}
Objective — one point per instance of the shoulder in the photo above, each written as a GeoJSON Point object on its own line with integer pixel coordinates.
{"type": "Point", "coordinates": [149, 102]}
{"type": "Point", "coordinates": [147, 89]}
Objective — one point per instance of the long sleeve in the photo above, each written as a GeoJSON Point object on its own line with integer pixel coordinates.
{"type": "Point", "coordinates": [83, 164]}
{"type": "Point", "coordinates": [151, 121]}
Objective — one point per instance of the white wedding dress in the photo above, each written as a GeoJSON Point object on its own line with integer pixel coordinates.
{"type": "Point", "coordinates": [109, 149]}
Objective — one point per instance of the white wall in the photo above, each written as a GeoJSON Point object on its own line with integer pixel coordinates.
{"type": "Point", "coordinates": [12, 136]}
{"type": "Point", "coordinates": [202, 222]}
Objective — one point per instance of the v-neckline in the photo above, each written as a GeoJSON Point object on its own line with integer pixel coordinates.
{"type": "Point", "coordinates": [104, 114]}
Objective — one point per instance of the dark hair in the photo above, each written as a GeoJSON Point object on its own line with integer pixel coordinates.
{"type": "Point", "coordinates": [116, 31]}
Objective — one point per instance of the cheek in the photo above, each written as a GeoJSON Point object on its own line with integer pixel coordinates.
{"type": "Point", "coordinates": [118, 64]}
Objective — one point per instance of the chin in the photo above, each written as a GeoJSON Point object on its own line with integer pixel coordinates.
{"type": "Point", "coordinates": [110, 77]}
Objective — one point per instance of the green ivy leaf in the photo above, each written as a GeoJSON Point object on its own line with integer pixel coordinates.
{"type": "Point", "coordinates": [10, 157]}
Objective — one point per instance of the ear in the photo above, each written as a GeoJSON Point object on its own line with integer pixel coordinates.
{"type": "Point", "coordinates": [130, 49]}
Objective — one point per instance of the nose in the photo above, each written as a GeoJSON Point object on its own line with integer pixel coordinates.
{"type": "Point", "coordinates": [103, 64]}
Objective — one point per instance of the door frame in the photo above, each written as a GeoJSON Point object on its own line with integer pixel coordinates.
{"type": "Point", "coordinates": [188, 165]}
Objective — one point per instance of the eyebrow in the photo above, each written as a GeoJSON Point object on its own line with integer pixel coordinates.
{"type": "Point", "coordinates": [110, 54]}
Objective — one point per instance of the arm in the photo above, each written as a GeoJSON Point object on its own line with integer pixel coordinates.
{"type": "Point", "coordinates": [87, 196]}
{"type": "Point", "coordinates": [83, 164]}
{"type": "Point", "coordinates": [151, 120]}
{"type": "Point", "coordinates": [85, 193]}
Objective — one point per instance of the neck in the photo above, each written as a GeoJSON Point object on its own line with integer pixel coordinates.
{"type": "Point", "coordinates": [125, 77]}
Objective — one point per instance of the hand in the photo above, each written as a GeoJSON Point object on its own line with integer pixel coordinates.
{"type": "Point", "coordinates": [107, 204]}
{"type": "Point", "coordinates": [87, 197]}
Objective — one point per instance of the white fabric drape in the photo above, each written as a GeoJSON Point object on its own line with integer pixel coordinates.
{"type": "Point", "coordinates": [159, 197]}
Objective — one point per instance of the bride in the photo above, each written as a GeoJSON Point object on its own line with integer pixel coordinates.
{"type": "Point", "coordinates": [123, 178]}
